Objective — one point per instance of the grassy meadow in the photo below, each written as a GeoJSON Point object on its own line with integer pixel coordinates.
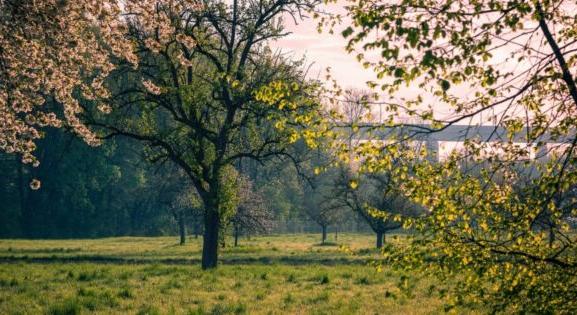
{"type": "Point", "coordinates": [284, 274]}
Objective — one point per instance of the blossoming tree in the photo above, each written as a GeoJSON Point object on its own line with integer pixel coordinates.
{"type": "Point", "coordinates": [54, 52]}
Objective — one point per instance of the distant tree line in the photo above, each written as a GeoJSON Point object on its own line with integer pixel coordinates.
{"type": "Point", "coordinates": [111, 190]}
{"type": "Point", "coordinates": [86, 192]}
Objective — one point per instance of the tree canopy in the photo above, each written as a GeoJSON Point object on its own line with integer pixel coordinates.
{"type": "Point", "coordinates": [53, 52]}
{"type": "Point", "coordinates": [207, 92]}
{"type": "Point", "coordinates": [504, 227]}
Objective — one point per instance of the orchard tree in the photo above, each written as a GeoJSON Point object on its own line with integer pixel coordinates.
{"type": "Point", "coordinates": [252, 214]}
{"type": "Point", "coordinates": [511, 64]}
{"type": "Point", "coordinates": [353, 190]}
{"type": "Point", "coordinates": [375, 198]}
{"type": "Point", "coordinates": [208, 91]}
{"type": "Point", "coordinates": [319, 202]}
{"type": "Point", "coordinates": [184, 204]}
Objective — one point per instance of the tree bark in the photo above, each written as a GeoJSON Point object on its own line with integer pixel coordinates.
{"type": "Point", "coordinates": [197, 227]}
{"type": "Point", "coordinates": [551, 235]}
{"type": "Point", "coordinates": [324, 234]}
{"type": "Point", "coordinates": [181, 227]}
{"type": "Point", "coordinates": [336, 233]}
{"type": "Point", "coordinates": [236, 232]}
{"type": "Point", "coordinates": [210, 241]}
{"type": "Point", "coordinates": [24, 215]}
{"type": "Point", "coordinates": [380, 237]}
{"type": "Point", "coordinates": [566, 73]}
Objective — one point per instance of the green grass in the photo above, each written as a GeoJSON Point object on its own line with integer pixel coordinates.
{"type": "Point", "coordinates": [266, 275]}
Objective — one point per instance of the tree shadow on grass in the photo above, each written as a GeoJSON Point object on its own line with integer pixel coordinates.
{"type": "Point", "coordinates": [330, 244]}
{"type": "Point", "coordinates": [262, 260]}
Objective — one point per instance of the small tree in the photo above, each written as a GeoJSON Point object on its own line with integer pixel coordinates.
{"type": "Point", "coordinates": [196, 215]}
{"type": "Point", "coordinates": [375, 199]}
{"type": "Point", "coordinates": [185, 205]}
{"type": "Point", "coordinates": [319, 204]}
{"type": "Point", "coordinates": [252, 214]}
{"type": "Point", "coordinates": [178, 199]}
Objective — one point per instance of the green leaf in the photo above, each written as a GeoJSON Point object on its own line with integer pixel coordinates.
{"type": "Point", "coordinates": [347, 32]}
{"type": "Point", "coordinates": [445, 85]}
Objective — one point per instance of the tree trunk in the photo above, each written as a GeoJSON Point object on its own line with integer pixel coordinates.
{"type": "Point", "coordinates": [210, 241]}
{"type": "Point", "coordinates": [551, 235]}
{"type": "Point", "coordinates": [182, 227]}
{"type": "Point", "coordinates": [236, 232]}
{"type": "Point", "coordinates": [380, 237]}
{"type": "Point", "coordinates": [336, 233]}
{"type": "Point", "coordinates": [197, 227]}
{"type": "Point", "coordinates": [324, 234]}
{"type": "Point", "coordinates": [24, 215]}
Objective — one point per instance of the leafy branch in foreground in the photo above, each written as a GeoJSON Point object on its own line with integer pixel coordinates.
{"type": "Point", "coordinates": [495, 218]}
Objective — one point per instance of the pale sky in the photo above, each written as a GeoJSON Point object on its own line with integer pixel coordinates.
{"type": "Point", "coordinates": [322, 51]}
{"type": "Point", "coordinates": [326, 50]}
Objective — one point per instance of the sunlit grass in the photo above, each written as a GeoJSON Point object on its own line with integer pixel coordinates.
{"type": "Point", "coordinates": [306, 246]}
{"type": "Point", "coordinates": [267, 285]}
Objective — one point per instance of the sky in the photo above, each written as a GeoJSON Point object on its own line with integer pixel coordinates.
{"type": "Point", "coordinates": [326, 50]}
{"type": "Point", "coordinates": [322, 51]}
